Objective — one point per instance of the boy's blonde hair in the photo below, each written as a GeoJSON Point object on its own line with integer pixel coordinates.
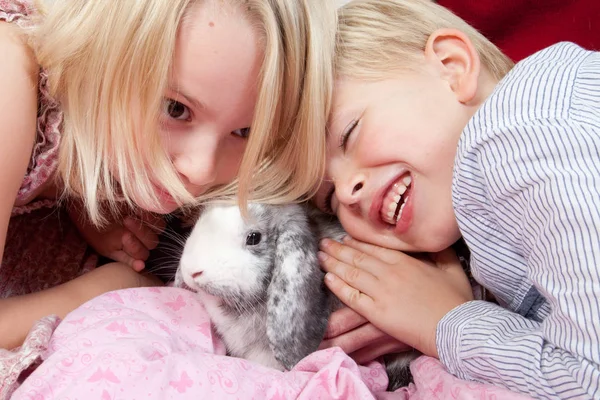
{"type": "Point", "coordinates": [379, 37]}
{"type": "Point", "coordinates": [108, 63]}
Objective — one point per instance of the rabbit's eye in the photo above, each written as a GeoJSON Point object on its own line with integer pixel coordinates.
{"type": "Point", "coordinates": [253, 238]}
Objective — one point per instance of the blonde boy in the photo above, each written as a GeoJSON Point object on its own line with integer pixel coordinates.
{"type": "Point", "coordinates": [432, 139]}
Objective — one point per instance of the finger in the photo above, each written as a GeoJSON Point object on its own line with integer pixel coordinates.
{"type": "Point", "coordinates": [112, 238]}
{"type": "Point", "coordinates": [121, 256]}
{"type": "Point", "coordinates": [354, 278]}
{"type": "Point", "coordinates": [156, 222]}
{"type": "Point", "coordinates": [138, 265]}
{"type": "Point", "coordinates": [378, 348]}
{"type": "Point", "coordinates": [386, 255]}
{"type": "Point", "coordinates": [351, 257]}
{"type": "Point", "coordinates": [142, 232]}
{"type": "Point", "coordinates": [355, 339]}
{"type": "Point", "coordinates": [342, 321]}
{"type": "Point", "coordinates": [352, 297]}
{"type": "Point", "coordinates": [134, 247]}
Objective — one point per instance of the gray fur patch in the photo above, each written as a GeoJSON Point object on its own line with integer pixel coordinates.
{"type": "Point", "coordinates": [296, 326]}
{"type": "Point", "coordinates": [397, 366]}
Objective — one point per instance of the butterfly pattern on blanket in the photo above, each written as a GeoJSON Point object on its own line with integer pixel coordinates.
{"type": "Point", "coordinates": [157, 343]}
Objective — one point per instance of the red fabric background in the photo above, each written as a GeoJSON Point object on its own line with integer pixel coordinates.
{"type": "Point", "coordinates": [522, 27]}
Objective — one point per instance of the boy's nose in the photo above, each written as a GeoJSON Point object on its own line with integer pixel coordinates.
{"type": "Point", "coordinates": [349, 192]}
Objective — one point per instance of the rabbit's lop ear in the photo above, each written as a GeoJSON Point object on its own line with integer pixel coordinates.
{"type": "Point", "coordinates": [298, 301]}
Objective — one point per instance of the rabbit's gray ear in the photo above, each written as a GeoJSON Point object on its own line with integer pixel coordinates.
{"type": "Point", "coordinates": [297, 300]}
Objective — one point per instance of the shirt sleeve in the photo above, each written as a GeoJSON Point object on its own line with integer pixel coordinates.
{"type": "Point", "coordinates": [543, 187]}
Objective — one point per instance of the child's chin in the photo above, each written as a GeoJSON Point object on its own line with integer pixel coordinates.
{"type": "Point", "coordinates": [435, 245]}
{"type": "Point", "coordinates": [163, 209]}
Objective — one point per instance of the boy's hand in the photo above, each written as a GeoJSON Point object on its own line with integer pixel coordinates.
{"type": "Point", "coordinates": [360, 339]}
{"type": "Point", "coordinates": [128, 241]}
{"type": "Point", "coordinates": [402, 295]}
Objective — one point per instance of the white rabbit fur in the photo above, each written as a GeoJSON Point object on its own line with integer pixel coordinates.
{"type": "Point", "coordinates": [266, 297]}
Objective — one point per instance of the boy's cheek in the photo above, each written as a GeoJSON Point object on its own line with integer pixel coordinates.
{"type": "Point", "coordinates": [357, 230]}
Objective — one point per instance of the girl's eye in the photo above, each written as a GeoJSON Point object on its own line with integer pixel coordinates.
{"type": "Point", "coordinates": [176, 110]}
{"type": "Point", "coordinates": [243, 132]}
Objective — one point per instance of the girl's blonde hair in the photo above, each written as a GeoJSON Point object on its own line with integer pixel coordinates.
{"type": "Point", "coordinates": [379, 37]}
{"type": "Point", "coordinates": [108, 63]}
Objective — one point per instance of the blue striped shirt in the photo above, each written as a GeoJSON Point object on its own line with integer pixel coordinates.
{"type": "Point", "coordinates": [526, 191]}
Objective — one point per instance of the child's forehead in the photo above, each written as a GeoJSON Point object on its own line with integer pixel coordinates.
{"type": "Point", "coordinates": [346, 100]}
{"type": "Point", "coordinates": [353, 93]}
{"type": "Point", "coordinates": [350, 99]}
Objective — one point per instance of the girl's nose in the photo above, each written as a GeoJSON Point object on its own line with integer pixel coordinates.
{"type": "Point", "coordinates": [198, 165]}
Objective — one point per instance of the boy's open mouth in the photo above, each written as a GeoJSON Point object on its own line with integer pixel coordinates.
{"type": "Point", "coordinates": [395, 199]}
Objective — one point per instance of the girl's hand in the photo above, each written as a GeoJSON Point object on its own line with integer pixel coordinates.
{"type": "Point", "coordinates": [360, 339]}
{"type": "Point", "coordinates": [402, 295]}
{"type": "Point", "coordinates": [128, 241]}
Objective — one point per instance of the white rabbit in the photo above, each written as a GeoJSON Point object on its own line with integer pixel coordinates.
{"type": "Point", "coordinates": [260, 281]}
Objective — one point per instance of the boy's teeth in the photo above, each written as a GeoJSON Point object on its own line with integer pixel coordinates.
{"type": "Point", "coordinates": [394, 198]}
{"type": "Point", "coordinates": [400, 212]}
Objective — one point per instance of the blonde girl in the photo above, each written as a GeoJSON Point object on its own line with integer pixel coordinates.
{"type": "Point", "coordinates": [154, 105]}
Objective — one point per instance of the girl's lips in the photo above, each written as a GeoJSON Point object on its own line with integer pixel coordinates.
{"type": "Point", "coordinates": [164, 198]}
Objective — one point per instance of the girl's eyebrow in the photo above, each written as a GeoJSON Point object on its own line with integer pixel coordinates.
{"type": "Point", "coordinates": [190, 99]}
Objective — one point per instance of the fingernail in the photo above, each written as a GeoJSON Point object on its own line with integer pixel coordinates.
{"type": "Point", "coordinates": [139, 265]}
{"type": "Point", "coordinates": [325, 243]}
{"type": "Point", "coordinates": [346, 238]}
{"type": "Point", "coordinates": [322, 256]}
{"type": "Point", "coordinates": [329, 277]}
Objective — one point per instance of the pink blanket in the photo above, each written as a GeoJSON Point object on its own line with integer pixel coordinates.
{"type": "Point", "coordinates": [157, 343]}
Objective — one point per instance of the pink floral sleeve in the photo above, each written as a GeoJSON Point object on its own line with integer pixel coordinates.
{"type": "Point", "coordinates": [14, 363]}
{"type": "Point", "coordinates": [21, 271]}
{"type": "Point", "coordinates": [44, 157]}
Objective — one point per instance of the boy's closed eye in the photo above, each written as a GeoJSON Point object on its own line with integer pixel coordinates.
{"type": "Point", "coordinates": [327, 204]}
{"type": "Point", "coordinates": [345, 136]}
{"type": "Point", "coordinates": [325, 197]}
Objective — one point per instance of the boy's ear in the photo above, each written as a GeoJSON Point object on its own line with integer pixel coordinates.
{"type": "Point", "coordinates": [454, 54]}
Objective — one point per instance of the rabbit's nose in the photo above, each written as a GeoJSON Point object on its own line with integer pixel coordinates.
{"type": "Point", "coordinates": [196, 274]}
